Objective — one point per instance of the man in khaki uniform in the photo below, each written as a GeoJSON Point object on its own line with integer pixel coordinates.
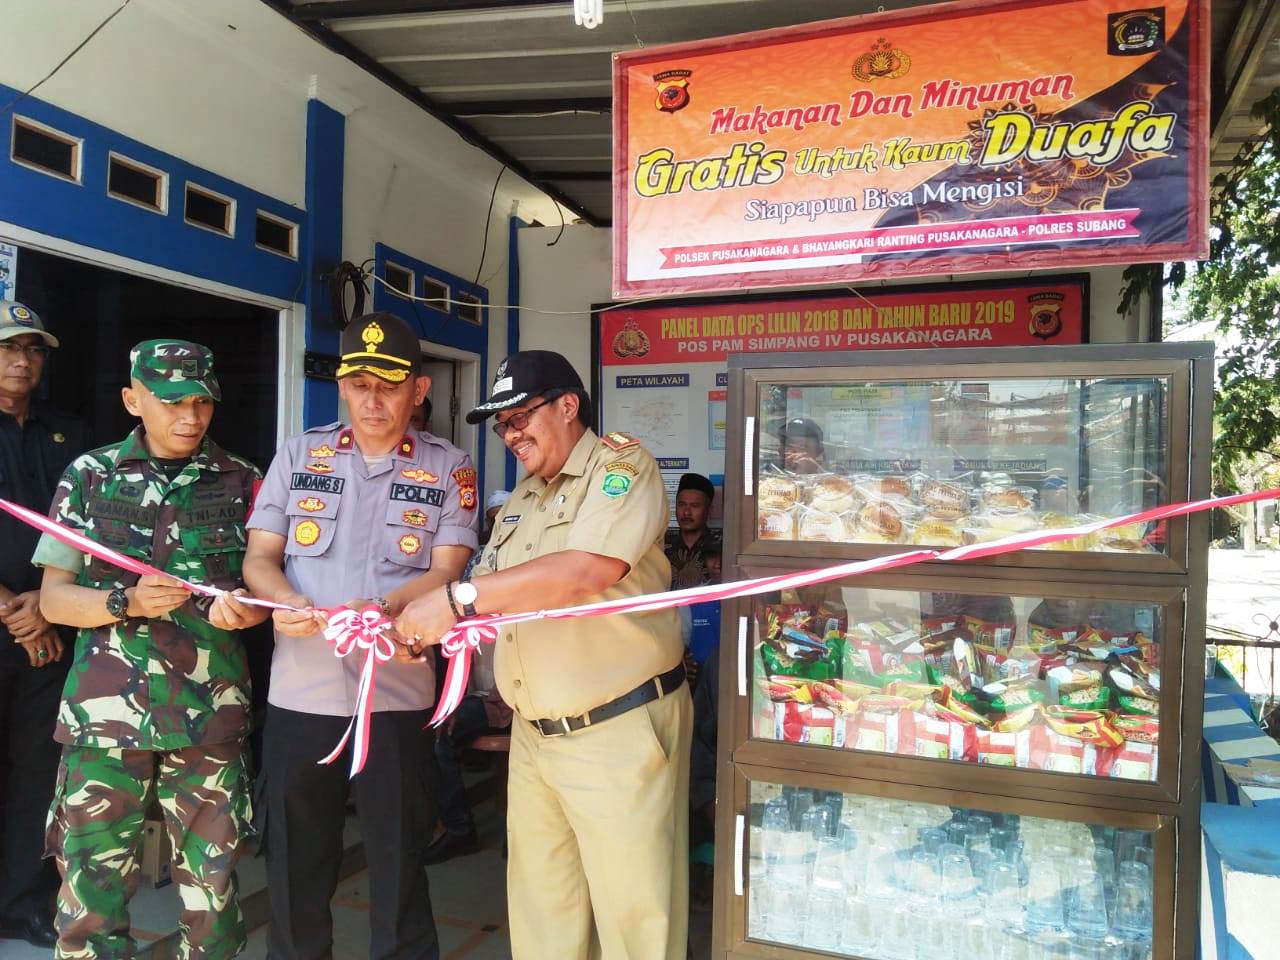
{"type": "Point", "coordinates": [598, 790]}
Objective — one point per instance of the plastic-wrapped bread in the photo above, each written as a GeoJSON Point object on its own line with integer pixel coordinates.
{"type": "Point", "coordinates": [945, 500]}
{"type": "Point", "coordinates": [832, 495]}
{"type": "Point", "coordinates": [776, 524]}
{"type": "Point", "coordinates": [877, 522]}
{"type": "Point", "coordinates": [933, 532]}
{"type": "Point", "coordinates": [778, 492]}
{"type": "Point", "coordinates": [882, 488]}
{"type": "Point", "coordinates": [821, 526]}
{"type": "Point", "coordinates": [1006, 498]}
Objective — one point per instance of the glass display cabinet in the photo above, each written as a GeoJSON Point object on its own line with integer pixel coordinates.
{"type": "Point", "coordinates": [998, 758]}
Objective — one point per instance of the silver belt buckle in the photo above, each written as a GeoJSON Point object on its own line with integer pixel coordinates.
{"type": "Point", "coordinates": [564, 723]}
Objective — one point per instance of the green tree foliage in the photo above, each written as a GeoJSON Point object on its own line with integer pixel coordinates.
{"type": "Point", "coordinates": [1238, 289]}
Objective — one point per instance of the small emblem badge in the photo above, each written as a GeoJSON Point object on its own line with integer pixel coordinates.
{"type": "Point", "coordinates": [311, 504]}
{"type": "Point", "coordinates": [673, 90]}
{"type": "Point", "coordinates": [307, 533]}
{"type": "Point", "coordinates": [319, 466]}
{"type": "Point", "coordinates": [324, 450]}
{"type": "Point", "coordinates": [418, 475]}
{"type": "Point", "coordinates": [410, 544]}
{"type": "Point", "coordinates": [415, 518]}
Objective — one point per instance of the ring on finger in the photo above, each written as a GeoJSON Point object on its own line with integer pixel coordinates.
{"type": "Point", "coordinates": [43, 654]}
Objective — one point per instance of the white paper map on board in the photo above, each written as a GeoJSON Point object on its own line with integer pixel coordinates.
{"type": "Point", "coordinates": [658, 417]}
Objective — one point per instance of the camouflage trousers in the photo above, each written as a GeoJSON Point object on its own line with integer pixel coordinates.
{"type": "Point", "coordinates": [95, 831]}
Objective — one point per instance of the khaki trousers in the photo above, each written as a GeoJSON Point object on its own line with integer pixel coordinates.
{"type": "Point", "coordinates": [598, 835]}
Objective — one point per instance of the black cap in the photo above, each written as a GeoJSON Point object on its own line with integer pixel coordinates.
{"type": "Point", "coordinates": [527, 374]}
{"type": "Point", "coordinates": [381, 344]}
{"type": "Point", "coordinates": [696, 481]}
{"type": "Point", "coordinates": [799, 427]}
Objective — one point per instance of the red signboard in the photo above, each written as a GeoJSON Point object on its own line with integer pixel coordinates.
{"type": "Point", "coordinates": [954, 138]}
{"type": "Point", "coordinates": [944, 316]}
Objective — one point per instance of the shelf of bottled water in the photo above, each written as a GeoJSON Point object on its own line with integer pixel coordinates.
{"type": "Point", "coordinates": [890, 880]}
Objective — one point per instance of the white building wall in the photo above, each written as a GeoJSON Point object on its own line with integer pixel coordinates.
{"type": "Point", "coordinates": [224, 84]}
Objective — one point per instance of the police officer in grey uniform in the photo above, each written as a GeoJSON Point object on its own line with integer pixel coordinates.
{"type": "Point", "coordinates": [352, 514]}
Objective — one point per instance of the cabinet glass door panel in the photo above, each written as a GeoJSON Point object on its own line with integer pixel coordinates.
{"type": "Point", "coordinates": [888, 879]}
{"type": "Point", "coordinates": [1065, 685]}
{"type": "Point", "coordinates": [943, 462]}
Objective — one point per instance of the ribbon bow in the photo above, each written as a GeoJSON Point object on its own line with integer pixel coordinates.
{"type": "Point", "coordinates": [464, 637]}
{"type": "Point", "coordinates": [348, 631]}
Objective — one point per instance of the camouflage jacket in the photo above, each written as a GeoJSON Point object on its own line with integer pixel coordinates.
{"type": "Point", "coordinates": [176, 680]}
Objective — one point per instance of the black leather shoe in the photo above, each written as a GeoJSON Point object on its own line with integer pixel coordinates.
{"type": "Point", "coordinates": [34, 927]}
{"type": "Point", "coordinates": [450, 845]}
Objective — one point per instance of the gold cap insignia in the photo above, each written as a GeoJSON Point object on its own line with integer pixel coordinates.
{"type": "Point", "coordinates": [372, 335]}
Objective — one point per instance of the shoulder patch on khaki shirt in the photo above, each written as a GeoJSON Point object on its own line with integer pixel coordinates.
{"type": "Point", "coordinates": [618, 441]}
{"type": "Point", "coordinates": [622, 466]}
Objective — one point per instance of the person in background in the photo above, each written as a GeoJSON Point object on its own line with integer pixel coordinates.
{"type": "Point", "coordinates": [420, 419]}
{"type": "Point", "coordinates": [598, 819]}
{"type": "Point", "coordinates": [35, 446]}
{"type": "Point", "coordinates": [482, 711]}
{"type": "Point", "coordinates": [692, 544]}
{"type": "Point", "coordinates": [157, 701]}
{"type": "Point", "coordinates": [801, 443]}
{"type": "Point", "coordinates": [367, 514]}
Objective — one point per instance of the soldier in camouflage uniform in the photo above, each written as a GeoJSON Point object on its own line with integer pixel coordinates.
{"type": "Point", "coordinates": [157, 700]}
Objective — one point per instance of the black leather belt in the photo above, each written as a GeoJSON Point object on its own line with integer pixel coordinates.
{"type": "Point", "coordinates": [653, 689]}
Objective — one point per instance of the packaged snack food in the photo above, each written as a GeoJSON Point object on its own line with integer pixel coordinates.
{"type": "Point", "coordinates": [832, 494]}
{"type": "Point", "coordinates": [1129, 538]}
{"type": "Point", "coordinates": [1134, 761]}
{"type": "Point", "coordinates": [885, 488]}
{"type": "Point", "coordinates": [877, 522]}
{"type": "Point", "coordinates": [875, 726]}
{"type": "Point", "coordinates": [775, 523]}
{"type": "Point", "coordinates": [816, 525]}
{"type": "Point", "coordinates": [945, 501]}
{"type": "Point", "coordinates": [1089, 726]}
{"type": "Point", "coordinates": [1136, 729]}
{"type": "Point", "coordinates": [777, 491]}
{"type": "Point", "coordinates": [1057, 521]}
{"type": "Point", "coordinates": [998, 634]}
{"type": "Point", "coordinates": [1007, 498]}
{"type": "Point", "coordinates": [804, 723]}
{"type": "Point", "coordinates": [1004, 749]}
{"type": "Point", "coordinates": [781, 689]}
{"type": "Point", "coordinates": [939, 533]}
{"type": "Point", "coordinates": [938, 737]}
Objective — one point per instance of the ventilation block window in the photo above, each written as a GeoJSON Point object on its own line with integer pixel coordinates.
{"type": "Point", "coordinates": [469, 308]}
{"type": "Point", "coordinates": [398, 279]}
{"type": "Point", "coordinates": [45, 149]}
{"type": "Point", "coordinates": [209, 210]}
{"type": "Point", "coordinates": [136, 183]}
{"type": "Point", "coordinates": [278, 236]}
{"type": "Point", "coordinates": [436, 293]}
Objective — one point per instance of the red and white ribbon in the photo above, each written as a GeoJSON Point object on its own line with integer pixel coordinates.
{"type": "Point", "coordinates": [463, 639]}
{"type": "Point", "coordinates": [349, 631]}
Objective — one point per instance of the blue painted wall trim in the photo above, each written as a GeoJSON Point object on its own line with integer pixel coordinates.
{"type": "Point", "coordinates": [85, 213]}
{"type": "Point", "coordinates": [513, 321]}
{"type": "Point", "coordinates": [438, 324]}
{"type": "Point", "coordinates": [322, 249]}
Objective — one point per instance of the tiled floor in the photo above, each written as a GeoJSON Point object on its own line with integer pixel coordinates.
{"type": "Point", "coordinates": [468, 896]}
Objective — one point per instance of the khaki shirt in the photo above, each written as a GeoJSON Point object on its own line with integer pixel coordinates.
{"type": "Point", "coordinates": [351, 531]}
{"type": "Point", "coordinates": [608, 499]}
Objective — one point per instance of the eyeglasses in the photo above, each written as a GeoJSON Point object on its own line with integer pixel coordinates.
{"type": "Point", "coordinates": [517, 421]}
{"type": "Point", "coordinates": [33, 351]}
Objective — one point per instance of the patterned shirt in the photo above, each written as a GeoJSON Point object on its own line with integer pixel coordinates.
{"type": "Point", "coordinates": [175, 680]}
{"type": "Point", "coordinates": [689, 566]}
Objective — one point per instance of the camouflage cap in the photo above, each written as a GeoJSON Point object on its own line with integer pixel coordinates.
{"type": "Point", "coordinates": [17, 319]}
{"type": "Point", "coordinates": [174, 369]}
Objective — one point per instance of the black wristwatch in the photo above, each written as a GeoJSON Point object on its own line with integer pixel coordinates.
{"type": "Point", "coordinates": [118, 603]}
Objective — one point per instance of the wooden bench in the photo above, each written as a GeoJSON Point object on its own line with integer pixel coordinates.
{"type": "Point", "coordinates": [498, 744]}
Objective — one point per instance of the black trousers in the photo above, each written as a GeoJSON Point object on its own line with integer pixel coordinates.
{"type": "Point", "coordinates": [301, 810]}
{"type": "Point", "coordinates": [29, 698]}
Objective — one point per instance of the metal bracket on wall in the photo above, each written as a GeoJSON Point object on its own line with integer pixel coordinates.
{"type": "Point", "coordinates": [320, 366]}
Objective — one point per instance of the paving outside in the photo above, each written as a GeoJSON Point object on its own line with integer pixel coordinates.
{"type": "Point", "coordinates": [1244, 595]}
